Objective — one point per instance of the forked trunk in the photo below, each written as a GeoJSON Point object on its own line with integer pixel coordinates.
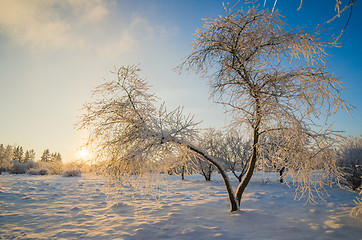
{"type": "Point", "coordinates": [239, 177]}
{"type": "Point", "coordinates": [249, 173]}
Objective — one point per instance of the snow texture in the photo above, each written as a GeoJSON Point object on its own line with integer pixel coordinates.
{"type": "Point", "coordinates": [54, 207]}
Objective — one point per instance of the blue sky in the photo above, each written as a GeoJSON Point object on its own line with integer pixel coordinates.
{"type": "Point", "coordinates": [53, 53]}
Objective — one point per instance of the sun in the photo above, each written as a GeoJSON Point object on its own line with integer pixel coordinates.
{"type": "Point", "coordinates": [83, 153]}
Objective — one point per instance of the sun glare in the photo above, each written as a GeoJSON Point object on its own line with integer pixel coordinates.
{"type": "Point", "coordinates": [83, 153]}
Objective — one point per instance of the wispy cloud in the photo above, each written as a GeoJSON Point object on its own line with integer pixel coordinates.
{"type": "Point", "coordinates": [98, 26]}
{"type": "Point", "coordinates": [128, 38]}
{"type": "Point", "coordinates": [49, 24]}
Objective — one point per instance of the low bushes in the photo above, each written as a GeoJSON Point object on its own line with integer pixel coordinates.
{"type": "Point", "coordinates": [20, 168]}
{"type": "Point", "coordinates": [72, 173]}
{"type": "Point", "coordinates": [350, 163]}
{"type": "Point", "coordinates": [37, 171]}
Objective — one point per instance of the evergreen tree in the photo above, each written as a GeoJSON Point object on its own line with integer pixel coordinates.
{"type": "Point", "coordinates": [8, 156]}
{"type": "Point", "coordinates": [46, 157]}
{"type": "Point", "coordinates": [56, 157]}
{"type": "Point", "coordinates": [18, 154]}
{"type": "Point", "coordinates": [29, 156]}
{"type": "Point", "coordinates": [2, 154]}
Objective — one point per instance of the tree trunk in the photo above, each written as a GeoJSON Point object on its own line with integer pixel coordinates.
{"type": "Point", "coordinates": [234, 206]}
{"type": "Point", "coordinates": [183, 173]}
{"type": "Point", "coordinates": [241, 188]}
{"type": "Point", "coordinates": [240, 177]}
{"type": "Point", "coordinates": [249, 173]}
{"type": "Point", "coordinates": [281, 174]}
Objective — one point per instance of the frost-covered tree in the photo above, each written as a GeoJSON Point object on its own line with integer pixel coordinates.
{"type": "Point", "coordinates": [29, 156]}
{"type": "Point", "coordinates": [132, 137]}
{"type": "Point", "coordinates": [56, 157]}
{"type": "Point", "coordinates": [50, 162]}
{"type": "Point", "coordinates": [18, 154]}
{"type": "Point", "coordinates": [128, 130]}
{"type": "Point", "coordinates": [2, 162]}
{"type": "Point", "coordinates": [229, 148]}
{"type": "Point", "coordinates": [210, 142]}
{"type": "Point", "coordinates": [17, 163]}
{"type": "Point", "coordinates": [270, 79]}
{"type": "Point", "coordinates": [350, 162]}
{"type": "Point", "coordinates": [202, 166]}
{"type": "Point", "coordinates": [46, 156]}
{"type": "Point", "coordinates": [235, 153]}
{"type": "Point", "coordinates": [272, 157]}
{"type": "Point", "coordinates": [7, 157]}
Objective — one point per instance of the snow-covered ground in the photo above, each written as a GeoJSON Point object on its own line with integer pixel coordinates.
{"type": "Point", "coordinates": [55, 207]}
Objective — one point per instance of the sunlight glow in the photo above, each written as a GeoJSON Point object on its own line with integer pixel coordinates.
{"type": "Point", "coordinates": [83, 153]}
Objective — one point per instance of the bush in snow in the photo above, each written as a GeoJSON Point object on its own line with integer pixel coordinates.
{"type": "Point", "coordinates": [82, 165]}
{"type": "Point", "coordinates": [53, 168]}
{"type": "Point", "coordinates": [37, 171]}
{"type": "Point", "coordinates": [350, 163]}
{"type": "Point", "coordinates": [72, 173]}
{"type": "Point", "coordinates": [20, 168]}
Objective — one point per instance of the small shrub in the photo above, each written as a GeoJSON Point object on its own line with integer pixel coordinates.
{"type": "Point", "coordinates": [352, 176]}
{"type": "Point", "coordinates": [37, 171]}
{"type": "Point", "coordinates": [20, 168]}
{"type": "Point", "coordinates": [52, 168]}
{"type": "Point", "coordinates": [72, 173]}
{"type": "Point", "coordinates": [350, 163]}
{"type": "Point", "coordinates": [265, 180]}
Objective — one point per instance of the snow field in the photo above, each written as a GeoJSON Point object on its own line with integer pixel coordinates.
{"type": "Point", "coordinates": [55, 207]}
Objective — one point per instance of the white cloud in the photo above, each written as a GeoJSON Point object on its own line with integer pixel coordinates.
{"type": "Point", "coordinates": [92, 25]}
{"type": "Point", "coordinates": [87, 11]}
{"type": "Point", "coordinates": [49, 24]}
{"type": "Point", "coordinates": [124, 43]}
{"type": "Point", "coordinates": [128, 39]}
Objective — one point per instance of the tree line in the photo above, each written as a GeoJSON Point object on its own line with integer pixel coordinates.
{"type": "Point", "coordinates": [13, 159]}
{"type": "Point", "coordinates": [234, 151]}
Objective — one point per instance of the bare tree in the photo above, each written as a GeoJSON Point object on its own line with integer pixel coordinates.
{"type": "Point", "coordinates": [181, 166]}
{"type": "Point", "coordinates": [230, 148]}
{"type": "Point", "coordinates": [210, 141]}
{"type": "Point", "coordinates": [202, 166]}
{"type": "Point", "coordinates": [350, 162]}
{"type": "Point", "coordinates": [271, 155]}
{"type": "Point", "coordinates": [132, 137]}
{"type": "Point", "coordinates": [236, 153]}
{"type": "Point", "coordinates": [270, 79]}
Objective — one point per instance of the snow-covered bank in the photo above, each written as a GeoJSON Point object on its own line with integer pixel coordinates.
{"type": "Point", "coordinates": [54, 207]}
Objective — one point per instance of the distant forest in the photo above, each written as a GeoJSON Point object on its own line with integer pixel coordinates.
{"type": "Point", "coordinates": [13, 159]}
